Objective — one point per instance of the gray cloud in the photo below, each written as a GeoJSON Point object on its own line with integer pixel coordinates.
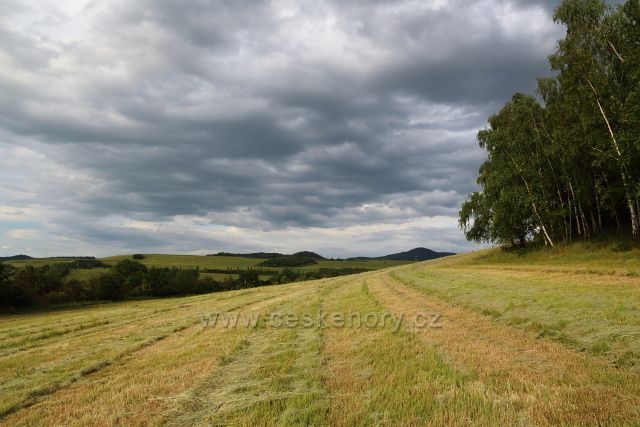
{"type": "Point", "coordinates": [272, 117]}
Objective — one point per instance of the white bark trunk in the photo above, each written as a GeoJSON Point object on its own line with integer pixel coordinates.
{"type": "Point", "coordinates": [635, 224]}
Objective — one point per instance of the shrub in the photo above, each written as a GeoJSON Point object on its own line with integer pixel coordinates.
{"type": "Point", "coordinates": [86, 263]}
{"type": "Point", "coordinates": [289, 261]}
{"type": "Point", "coordinates": [249, 278]}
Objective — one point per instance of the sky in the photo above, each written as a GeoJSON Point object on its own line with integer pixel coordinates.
{"type": "Point", "coordinates": [344, 127]}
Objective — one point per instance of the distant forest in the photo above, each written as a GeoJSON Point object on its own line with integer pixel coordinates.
{"type": "Point", "coordinates": [49, 284]}
{"type": "Point", "coordinates": [565, 165]}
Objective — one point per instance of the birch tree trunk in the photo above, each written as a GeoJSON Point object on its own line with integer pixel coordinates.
{"type": "Point", "coordinates": [631, 200]}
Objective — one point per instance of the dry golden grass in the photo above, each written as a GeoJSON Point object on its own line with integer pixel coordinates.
{"type": "Point", "coordinates": [140, 387]}
{"type": "Point", "coordinates": [43, 363]}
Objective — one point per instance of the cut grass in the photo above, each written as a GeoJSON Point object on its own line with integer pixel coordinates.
{"type": "Point", "coordinates": [378, 377]}
{"type": "Point", "coordinates": [36, 363]}
{"type": "Point", "coordinates": [531, 342]}
{"type": "Point", "coordinates": [141, 386]}
{"type": "Point", "coordinates": [593, 313]}
{"type": "Point", "coordinates": [272, 378]}
{"type": "Point", "coordinates": [540, 381]}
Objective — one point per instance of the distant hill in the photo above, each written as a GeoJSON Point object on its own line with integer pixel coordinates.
{"type": "Point", "coordinates": [312, 255]}
{"type": "Point", "coordinates": [417, 254]}
{"type": "Point", "coordinates": [274, 259]}
{"type": "Point", "coordinates": [308, 257]}
{"type": "Point", "coordinates": [15, 258]}
{"type": "Point", "coordinates": [259, 255]}
{"type": "Point", "coordinates": [295, 260]}
{"type": "Point", "coordinates": [271, 255]}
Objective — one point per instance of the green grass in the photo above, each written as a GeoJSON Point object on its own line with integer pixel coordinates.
{"type": "Point", "coordinates": [85, 274]}
{"type": "Point", "coordinates": [192, 261]}
{"type": "Point", "coordinates": [223, 276]}
{"type": "Point", "coordinates": [369, 264]}
{"type": "Point", "coordinates": [383, 377]}
{"type": "Point", "coordinates": [582, 298]}
{"type": "Point", "coordinates": [40, 262]}
{"type": "Point", "coordinates": [188, 261]}
{"type": "Point", "coordinates": [594, 258]}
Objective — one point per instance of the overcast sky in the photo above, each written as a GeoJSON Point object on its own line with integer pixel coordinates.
{"type": "Point", "coordinates": [344, 127]}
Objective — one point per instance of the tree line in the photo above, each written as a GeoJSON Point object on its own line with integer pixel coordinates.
{"type": "Point", "coordinates": [564, 165]}
{"type": "Point", "coordinates": [238, 270]}
{"type": "Point", "coordinates": [296, 260]}
{"type": "Point", "coordinates": [46, 285]}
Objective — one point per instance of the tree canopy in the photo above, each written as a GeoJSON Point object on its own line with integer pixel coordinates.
{"type": "Point", "coordinates": [565, 164]}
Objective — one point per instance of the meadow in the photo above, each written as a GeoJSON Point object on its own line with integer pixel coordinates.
{"type": "Point", "coordinates": [531, 338]}
{"type": "Point", "coordinates": [192, 261]}
{"type": "Point", "coordinates": [205, 262]}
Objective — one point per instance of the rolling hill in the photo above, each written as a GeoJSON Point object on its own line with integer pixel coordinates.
{"type": "Point", "coordinates": [15, 258]}
{"type": "Point", "coordinates": [417, 254]}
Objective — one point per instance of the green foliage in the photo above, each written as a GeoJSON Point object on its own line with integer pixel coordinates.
{"type": "Point", "coordinates": [5, 273]}
{"type": "Point", "coordinates": [566, 165]}
{"type": "Point", "coordinates": [15, 258]}
{"type": "Point", "coordinates": [86, 264]}
{"type": "Point", "coordinates": [290, 261]}
{"type": "Point", "coordinates": [29, 285]}
{"type": "Point", "coordinates": [110, 287]}
{"type": "Point", "coordinates": [67, 282]}
{"type": "Point", "coordinates": [170, 281]}
{"type": "Point", "coordinates": [249, 277]}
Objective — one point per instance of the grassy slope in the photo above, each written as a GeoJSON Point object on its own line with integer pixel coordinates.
{"type": "Point", "coordinates": [593, 258]}
{"type": "Point", "coordinates": [188, 261]}
{"type": "Point", "coordinates": [587, 297]}
{"type": "Point", "coordinates": [158, 260]}
{"type": "Point", "coordinates": [532, 338]}
{"type": "Point", "coordinates": [39, 262]}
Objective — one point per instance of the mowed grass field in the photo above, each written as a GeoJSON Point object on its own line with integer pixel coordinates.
{"type": "Point", "coordinates": [512, 339]}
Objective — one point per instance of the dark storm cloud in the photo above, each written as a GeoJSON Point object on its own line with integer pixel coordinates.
{"type": "Point", "coordinates": [474, 74]}
{"type": "Point", "coordinates": [262, 115]}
